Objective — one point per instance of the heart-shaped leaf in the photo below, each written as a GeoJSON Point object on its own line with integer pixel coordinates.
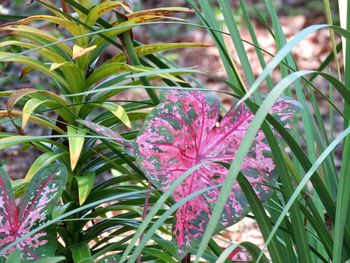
{"type": "Point", "coordinates": [33, 210]}
{"type": "Point", "coordinates": [183, 131]}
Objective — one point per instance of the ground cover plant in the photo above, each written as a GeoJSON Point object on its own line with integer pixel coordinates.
{"type": "Point", "coordinates": [183, 166]}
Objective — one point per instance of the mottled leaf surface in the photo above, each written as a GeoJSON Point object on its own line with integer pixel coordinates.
{"type": "Point", "coordinates": [129, 146]}
{"type": "Point", "coordinates": [183, 131]}
{"type": "Point", "coordinates": [33, 210]}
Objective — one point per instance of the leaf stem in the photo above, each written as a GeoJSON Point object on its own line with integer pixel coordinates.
{"type": "Point", "coordinates": [134, 59]}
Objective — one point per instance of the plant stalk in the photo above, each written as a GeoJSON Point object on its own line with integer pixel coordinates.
{"type": "Point", "coordinates": [134, 59]}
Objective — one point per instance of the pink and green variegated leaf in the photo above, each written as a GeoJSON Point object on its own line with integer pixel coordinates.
{"type": "Point", "coordinates": [129, 146]}
{"type": "Point", "coordinates": [183, 131]}
{"type": "Point", "coordinates": [33, 210]}
{"type": "Point", "coordinates": [103, 131]}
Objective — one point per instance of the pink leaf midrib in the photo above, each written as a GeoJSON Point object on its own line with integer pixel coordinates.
{"type": "Point", "coordinates": [208, 148]}
{"type": "Point", "coordinates": [202, 123]}
{"type": "Point", "coordinates": [224, 136]}
{"type": "Point", "coordinates": [177, 147]}
{"type": "Point", "coordinates": [9, 206]}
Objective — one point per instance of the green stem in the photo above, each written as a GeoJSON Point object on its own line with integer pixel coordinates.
{"type": "Point", "coordinates": [136, 61]}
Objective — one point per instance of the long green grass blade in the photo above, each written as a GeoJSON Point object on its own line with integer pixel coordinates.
{"type": "Point", "coordinates": [304, 181]}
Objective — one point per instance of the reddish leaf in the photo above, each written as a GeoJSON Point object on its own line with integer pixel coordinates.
{"type": "Point", "coordinates": [129, 146]}
{"type": "Point", "coordinates": [183, 131]}
{"type": "Point", "coordinates": [33, 210]}
{"type": "Point", "coordinates": [103, 131]}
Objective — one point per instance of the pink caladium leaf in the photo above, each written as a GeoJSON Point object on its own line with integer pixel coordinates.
{"type": "Point", "coordinates": [183, 131]}
{"type": "Point", "coordinates": [32, 210]}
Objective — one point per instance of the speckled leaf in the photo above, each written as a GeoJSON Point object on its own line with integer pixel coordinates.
{"type": "Point", "coordinates": [184, 130]}
{"type": "Point", "coordinates": [103, 131]}
{"type": "Point", "coordinates": [33, 210]}
{"type": "Point", "coordinates": [129, 146]}
{"type": "Point", "coordinates": [102, 8]}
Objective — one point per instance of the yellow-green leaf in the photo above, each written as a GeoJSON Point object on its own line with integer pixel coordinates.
{"type": "Point", "coordinates": [8, 141]}
{"type": "Point", "coordinates": [19, 186]}
{"type": "Point", "coordinates": [34, 34]}
{"type": "Point", "coordinates": [40, 121]}
{"type": "Point", "coordinates": [25, 72]}
{"type": "Point", "coordinates": [11, 140]}
{"type": "Point", "coordinates": [67, 24]}
{"type": "Point", "coordinates": [28, 91]}
{"type": "Point", "coordinates": [46, 53]}
{"type": "Point", "coordinates": [33, 63]}
{"type": "Point", "coordinates": [115, 68]}
{"type": "Point", "coordinates": [85, 185]}
{"type": "Point", "coordinates": [55, 66]}
{"type": "Point", "coordinates": [117, 110]}
{"type": "Point", "coordinates": [107, 70]}
{"type": "Point", "coordinates": [16, 96]}
{"type": "Point", "coordinates": [154, 48]}
{"type": "Point", "coordinates": [28, 109]}
{"type": "Point", "coordinates": [79, 51]}
{"type": "Point", "coordinates": [76, 142]}
{"type": "Point", "coordinates": [163, 11]}
{"type": "Point", "coordinates": [102, 8]}
{"type": "Point", "coordinates": [41, 162]}
{"type": "Point", "coordinates": [129, 24]}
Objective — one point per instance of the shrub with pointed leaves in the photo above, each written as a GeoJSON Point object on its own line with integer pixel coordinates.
{"type": "Point", "coordinates": [183, 131]}
{"type": "Point", "coordinates": [33, 210]}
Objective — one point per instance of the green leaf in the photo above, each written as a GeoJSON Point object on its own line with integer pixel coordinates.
{"type": "Point", "coordinates": [15, 256]}
{"type": "Point", "coordinates": [79, 51]}
{"type": "Point", "coordinates": [50, 260]}
{"type": "Point", "coordinates": [52, 56]}
{"type": "Point", "coordinates": [81, 253]}
{"type": "Point", "coordinates": [76, 142]}
{"type": "Point", "coordinates": [8, 140]}
{"type": "Point", "coordinates": [85, 185]}
{"type": "Point", "coordinates": [158, 254]}
{"type": "Point", "coordinates": [262, 219]}
{"type": "Point", "coordinates": [59, 210]}
{"type": "Point", "coordinates": [29, 108]}
{"type": "Point", "coordinates": [304, 181]}
{"type": "Point", "coordinates": [41, 162]}
{"type": "Point", "coordinates": [19, 186]}
{"type": "Point", "coordinates": [40, 121]}
{"type": "Point", "coordinates": [37, 36]}
{"type": "Point", "coordinates": [33, 63]}
{"type": "Point", "coordinates": [117, 110]}
{"type": "Point", "coordinates": [99, 10]}
{"type": "Point", "coordinates": [154, 48]}
{"type": "Point", "coordinates": [254, 251]}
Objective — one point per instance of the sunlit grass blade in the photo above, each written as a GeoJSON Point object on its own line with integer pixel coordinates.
{"type": "Point", "coordinates": [305, 179]}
